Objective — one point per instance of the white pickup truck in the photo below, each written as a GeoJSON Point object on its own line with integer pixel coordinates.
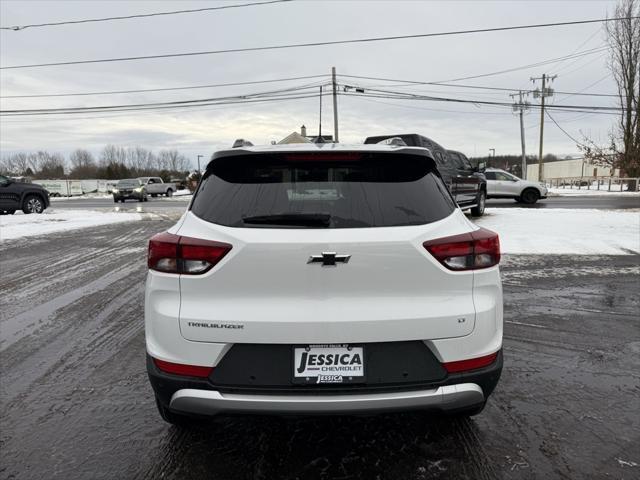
{"type": "Point", "coordinates": [154, 186]}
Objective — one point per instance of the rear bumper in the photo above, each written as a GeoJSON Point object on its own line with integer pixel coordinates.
{"type": "Point", "coordinates": [212, 402]}
{"type": "Point", "coordinates": [458, 391]}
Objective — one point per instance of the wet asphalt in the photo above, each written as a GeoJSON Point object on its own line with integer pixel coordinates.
{"type": "Point", "coordinates": [76, 403]}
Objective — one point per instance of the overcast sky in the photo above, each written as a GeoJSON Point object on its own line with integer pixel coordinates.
{"type": "Point", "coordinates": [471, 128]}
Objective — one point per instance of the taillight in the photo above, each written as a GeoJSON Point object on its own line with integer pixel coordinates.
{"type": "Point", "coordinates": [171, 253]}
{"type": "Point", "coordinates": [467, 251]}
{"type": "Point", "coordinates": [470, 364]}
{"type": "Point", "coordinates": [182, 369]}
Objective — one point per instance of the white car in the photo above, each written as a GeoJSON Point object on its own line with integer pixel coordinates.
{"type": "Point", "coordinates": [501, 184]}
{"type": "Point", "coordinates": [322, 278]}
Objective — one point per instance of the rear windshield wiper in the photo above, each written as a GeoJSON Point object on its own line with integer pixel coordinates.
{"type": "Point", "coordinates": [294, 219]}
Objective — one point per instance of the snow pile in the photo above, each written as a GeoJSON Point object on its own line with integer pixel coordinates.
{"type": "Point", "coordinates": [603, 192]}
{"type": "Point", "coordinates": [564, 231]}
{"type": "Point", "coordinates": [20, 225]}
{"type": "Point", "coordinates": [181, 192]}
{"type": "Point", "coordinates": [88, 196]}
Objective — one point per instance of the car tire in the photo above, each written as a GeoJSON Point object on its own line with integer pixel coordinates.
{"type": "Point", "coordinates": [32, 204]}
{"type": "Point", "coordinates": [169, 193]}
{"type": "Point", "coordinates": [154, 195]}
{"type": "Point", "coordinates": [529, 196]}
{"type": "Point", "coordinates": [478, 210]}
{"type": "Point", "coordinates": [145, 199]}
{"type": "Point", "coordinates": [122, 200]}
{"type": "Point", "coordinates": [180, 421]}
{"type": "Point", "coordinates": [115, 200]}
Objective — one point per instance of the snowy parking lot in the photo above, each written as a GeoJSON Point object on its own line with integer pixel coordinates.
{"type": "Point", "coordinates": [74, 384]}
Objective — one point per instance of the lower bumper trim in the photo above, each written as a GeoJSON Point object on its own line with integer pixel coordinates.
{"type": "Point", "coordinates": [212, 402]}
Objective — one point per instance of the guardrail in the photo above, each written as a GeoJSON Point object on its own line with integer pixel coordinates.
{"type": "Point", "coordinates": [615, 184]}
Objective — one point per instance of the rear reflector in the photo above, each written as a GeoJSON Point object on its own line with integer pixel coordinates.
{"type": "Point", "coordinates": [171, 253]}
{"type": "Point", "coordinates": [467, 251]}
{"type": "Point", "coordinates": [471, 364]}
{"type": "Point", "coordinates": [184, 370]}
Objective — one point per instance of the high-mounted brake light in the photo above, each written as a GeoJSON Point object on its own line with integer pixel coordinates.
{"type": "Point", "coordinates": [171, 253]}
{"type": "Point", "coordinates": [470, 364]}
{"type": "Point", "coordinates": [467, 251]}
{"type": "Point", "coordinates": [181, 369]}
{"type": "Point", "coordinates": [323, 156]}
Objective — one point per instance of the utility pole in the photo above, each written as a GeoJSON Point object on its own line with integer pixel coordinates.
{"type": "Point", "coordinates": [199, 156]}
{"type": "Point", "coordinates": [320, 121]}
{"type": "Point", "coordinates": [335, 104]}
{"type": "Point", "coordinates": [545, 92]}
{"type": "Point", "coordinates": [521, 107]}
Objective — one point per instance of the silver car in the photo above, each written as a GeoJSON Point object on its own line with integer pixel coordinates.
{"type": "Point", "coordinates": [501, 184]}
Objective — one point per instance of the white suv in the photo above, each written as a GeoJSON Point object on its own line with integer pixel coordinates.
{"type": "Point", "coordinates": [323, 278]}
{"type": "Point", "coordinates": [501, 184]}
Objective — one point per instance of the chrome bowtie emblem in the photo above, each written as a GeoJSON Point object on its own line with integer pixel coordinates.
{"type": "Point", "coordinates": [329, 259]}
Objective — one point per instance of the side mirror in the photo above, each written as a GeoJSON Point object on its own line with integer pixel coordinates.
{"type": "Point", "coordinates": [482, 166]}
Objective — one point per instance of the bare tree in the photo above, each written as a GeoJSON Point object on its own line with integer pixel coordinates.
{"type": "Point", "coordinates": [47, 165]}
{"type": "Point", "coordinates": [172, 161]}
{"type": "Point", "coordinates": [624, 44]}
{"type": "Point", "coordinates": [112, 155]}
{"type": "Point", "coordinates": [83, 165]}
{"type": "Point", "coordinates": [140, 160]}
{"type": "Point", "coordinates": [15, 164]}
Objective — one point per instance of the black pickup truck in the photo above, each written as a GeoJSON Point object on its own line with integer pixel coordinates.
{"type": "Point", "coordinates": [466, 183]}
{"type": "Point", "coordinates": [28, 197]}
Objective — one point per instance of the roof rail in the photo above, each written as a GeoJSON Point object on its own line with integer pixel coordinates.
{"type": "Point", "coordinates": [241, 142]}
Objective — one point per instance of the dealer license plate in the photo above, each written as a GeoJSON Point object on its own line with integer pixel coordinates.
{"type": "Point", "coordinates": [328, 364]}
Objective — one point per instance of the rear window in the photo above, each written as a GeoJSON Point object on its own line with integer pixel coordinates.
{"type": "Point", "coordinates": [349, 190]}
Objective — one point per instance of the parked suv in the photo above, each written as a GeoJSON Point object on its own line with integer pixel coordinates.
{"type": "Point", "coordinates": [129, 188]}
{"type": "Point", "coordinates": [28, 197]}
{"type": "Point", "coordinates": [466, 183]}
{"type": "Point", "coordinates": [503, 184]}
{"type": "Point", "coordinates": [322, 278]}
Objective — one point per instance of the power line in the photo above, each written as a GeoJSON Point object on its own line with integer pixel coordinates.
{"type": "Point", "coordinates": [127, 17]}
{"type": "Point", "coordinates": [562, 129]}
{"type": "Point", "coordinates": [317, 44]}
{"type": "Point", "coordinates": [145, 112]}
{"type": "Point", "coordinates": [285, 92]}
{"type": "Point", "coordinates": [479, 87]}
{"type": "Point", "coordinates": [116, 92]}
{"type": "Point", "coordinates": [587, 88]}
{"type": "Point", "coordinates": [166, 107]}
{"type": "Point", "coordinates": [376, 93]}
{"type": "Point", "coordinates": [174, 104]}
{"type": "Point", "coordinates": [531, 65]}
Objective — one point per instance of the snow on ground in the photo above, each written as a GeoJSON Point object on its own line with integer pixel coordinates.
{"type": "Point", "coordinates": [20, 225]}
{"type": "Point", "coordinates": [615, 191]}
{"type": "Point", "coordinates": [564, 231]}
{"type": "Point", "coordinates": [90, 196]}
{"type": "Point", "coordinates": [178, 193]}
